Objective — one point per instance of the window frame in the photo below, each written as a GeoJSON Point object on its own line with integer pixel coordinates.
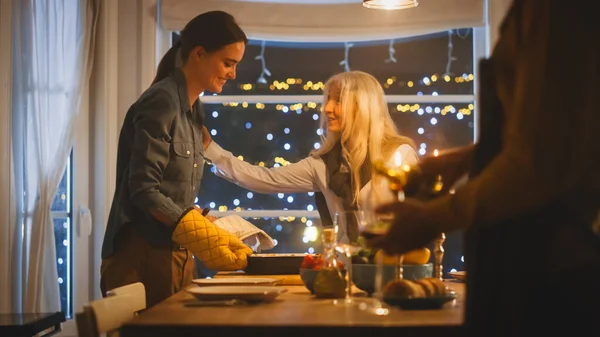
{"type": "Point", "coordinates": [82, 251]}
{"type": "Point", "coordinates": [480, 50]}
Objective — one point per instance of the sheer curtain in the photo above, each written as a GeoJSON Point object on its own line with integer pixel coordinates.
{"type": "Point", "coordinates": [52, 47]}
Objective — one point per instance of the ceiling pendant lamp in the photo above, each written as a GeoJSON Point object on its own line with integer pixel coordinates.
{"type": "Point", "coordinates": [390, 4]}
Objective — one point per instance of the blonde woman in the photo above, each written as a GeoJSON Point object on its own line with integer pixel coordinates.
{"type": "Point", "coordinates": [359, 129]}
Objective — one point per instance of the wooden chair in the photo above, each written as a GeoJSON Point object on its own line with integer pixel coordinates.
{"type": "Point", "coordinates": [105, 316]}
{"type": "Point", "coordinates": [137, 291]}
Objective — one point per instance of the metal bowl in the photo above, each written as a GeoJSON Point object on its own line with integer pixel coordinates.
{"type": "Point", "coordinates": [363, 275]}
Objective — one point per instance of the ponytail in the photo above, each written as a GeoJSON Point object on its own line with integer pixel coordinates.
{"type": "Point", "coordinates": [167, 64]}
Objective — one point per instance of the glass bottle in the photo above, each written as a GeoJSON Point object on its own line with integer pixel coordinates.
{"type": "Point", "coordinates": [410, 181]}
{"type": "Point", "coordinates": [329, 281]}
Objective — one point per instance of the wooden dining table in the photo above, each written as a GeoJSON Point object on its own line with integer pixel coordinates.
{"type": "Point", "coordinates": [295, 310]}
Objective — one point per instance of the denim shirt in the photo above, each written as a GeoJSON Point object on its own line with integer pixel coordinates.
{"type": "Point", "coordinates": [159, 163]}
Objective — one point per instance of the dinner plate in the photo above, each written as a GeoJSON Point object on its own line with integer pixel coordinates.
{"type": "Point", "coordinates": [420, 303]}
{"type": "Point", "coordinates": [250, 294]}
{"type": "Point", "coordinates": [459, 275]}
{"type": "Point", "coordinates": [239, 281]}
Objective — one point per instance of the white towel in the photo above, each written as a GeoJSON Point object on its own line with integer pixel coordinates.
{"type": "Point", "coordinates": [251, 235]}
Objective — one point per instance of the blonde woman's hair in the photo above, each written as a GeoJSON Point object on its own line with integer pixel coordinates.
{"type": "Point", "coordinates": [366, 124]}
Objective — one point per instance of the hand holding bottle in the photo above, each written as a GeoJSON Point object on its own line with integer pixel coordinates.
{"type": "Point", "coordinates": [413, 226]}
{"type": "Point", "coordinates": [448, 166]}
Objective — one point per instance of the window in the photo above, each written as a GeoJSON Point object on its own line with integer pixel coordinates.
{"type": "Point", "coordinates": [269, 115]}
{"type": "Point", "coordinates": [62, 217]}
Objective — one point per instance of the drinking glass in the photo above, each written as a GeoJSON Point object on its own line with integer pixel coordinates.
{"type": "Point", "coordinates": [370, 227]}
{"type": "Point", "coordinates": [348, 249]}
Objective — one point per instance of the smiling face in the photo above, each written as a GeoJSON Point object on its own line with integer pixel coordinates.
{"type": "Point", "coordinates": [333, 109]}
{"type": "Point", "coordinates": [213, 69]}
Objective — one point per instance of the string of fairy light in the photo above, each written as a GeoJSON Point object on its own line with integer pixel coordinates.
{"type": "Point", "coordinates": [390, 82]}
{"type": "Point", "coordinates": [426, 85]}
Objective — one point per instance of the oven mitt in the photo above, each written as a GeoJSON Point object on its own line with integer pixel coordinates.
{"type": "Point", "coordinates": [217, 248]}
{"type": "Point", "coordinates": [252, 236]}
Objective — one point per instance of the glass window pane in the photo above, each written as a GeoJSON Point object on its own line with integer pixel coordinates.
{"type": "Point", "coordinates": [435, 125]}
{"type": "Point", "coordinates": [62, 199]}
{"type": "Point", "coordinates": [286, 133]}
{"type": "Point", "coordinates": [293, 234]}
{"type": "Point", "coordinates": [63, 243]}
{"type": "Point", "coordinates": [63, 234]}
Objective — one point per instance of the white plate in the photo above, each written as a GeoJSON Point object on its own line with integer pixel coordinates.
{"type": "Point", "coordinates": [241, 281]}
{"type": "Point", "coordinates": [248, 294]}
{"type": "Point", "coordinates": [459, 275]}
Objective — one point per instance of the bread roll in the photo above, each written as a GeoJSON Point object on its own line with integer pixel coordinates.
{"type": "Point", "coordinates": [439, 288]}
{"type": "Point", "coordinates": [428, 287]}
{"type": "Point", "coordinates": [403, 289]}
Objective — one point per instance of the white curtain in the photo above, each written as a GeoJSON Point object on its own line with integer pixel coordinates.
{"type": "Point", "coordinates": [329, 20]}
{"type": "Point", "coordinates": [52, 42]}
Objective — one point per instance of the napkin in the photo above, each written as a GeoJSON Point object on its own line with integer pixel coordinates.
{"type": "Point", "coordinates": [251, 235]}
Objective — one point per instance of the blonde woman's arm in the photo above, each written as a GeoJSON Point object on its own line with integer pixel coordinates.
{"type": "Point", "coordinates": [297, 177]}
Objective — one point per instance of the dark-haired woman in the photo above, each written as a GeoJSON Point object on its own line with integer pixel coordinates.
{"type": "Point", "coordinates": [153, 228]}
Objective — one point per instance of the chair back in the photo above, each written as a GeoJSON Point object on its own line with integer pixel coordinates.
{"type": "Point", "coordinates": [105, 316]}
{"type": "Point", "coordinates": [137, 291]}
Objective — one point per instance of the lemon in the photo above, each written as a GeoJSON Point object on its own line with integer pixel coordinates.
{"type": "Point", "coordinates": [387, 259]}
{"type": "Point", "coordinates": [416, 256]}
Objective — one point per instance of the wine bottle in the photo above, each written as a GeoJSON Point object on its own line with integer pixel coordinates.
{"type": "Point", "coordinates": [329, 281]}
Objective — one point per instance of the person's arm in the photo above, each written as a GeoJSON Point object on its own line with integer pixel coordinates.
{"type": "Point", "coordinates": [552, 120]}
{"type": "Point", "coordinates": [154, 115]}
{"type": "Point", "coordinates": [297, 177]}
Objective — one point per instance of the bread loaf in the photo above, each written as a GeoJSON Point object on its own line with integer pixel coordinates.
{"type": "Point", "coordinates": [426, 287]}
{"type": "Point", "coordinates": [429, 287]}
{"type": "Point", "coordinates": [433, 286]}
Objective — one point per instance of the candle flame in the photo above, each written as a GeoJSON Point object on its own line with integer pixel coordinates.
{"type": "Point", "coordinates": [436, 153]}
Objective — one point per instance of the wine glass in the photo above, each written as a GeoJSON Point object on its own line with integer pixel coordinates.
{"type": "Point", "coordinates": [399, 192]}
{"type": "Point", "coordinates": [394, 176]}
{"type": "Point", "coordinates": [372, 226]}
{"type": "Point", "coordinates": [349, 249]}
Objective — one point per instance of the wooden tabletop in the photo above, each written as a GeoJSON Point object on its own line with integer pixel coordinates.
{"type": "Point", "coordinates": [285, 280]}
{"type": "Point", "coordinates": [298, 310]}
